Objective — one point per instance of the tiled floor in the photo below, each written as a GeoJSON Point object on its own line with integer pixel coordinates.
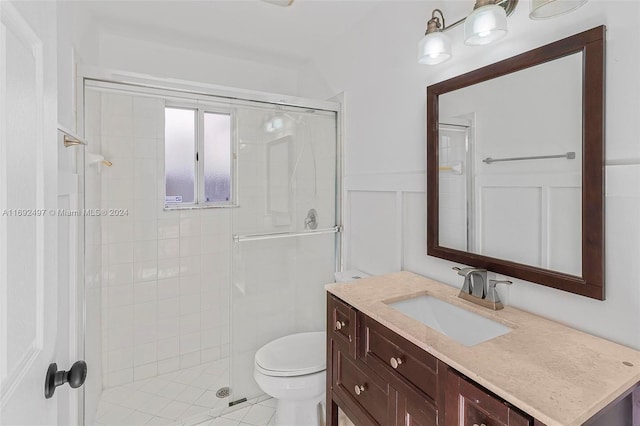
{"type": "Point", "coordinates": [185, 397]}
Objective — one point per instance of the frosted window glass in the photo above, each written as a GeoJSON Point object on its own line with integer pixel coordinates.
{"type": "Point", "coordinates": [217, 157]}
{"type": "Point", "coordinates": [180, 152]}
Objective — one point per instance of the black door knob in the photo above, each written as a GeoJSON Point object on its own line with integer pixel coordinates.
{"type": "Point", "coordinates": [75, 377]}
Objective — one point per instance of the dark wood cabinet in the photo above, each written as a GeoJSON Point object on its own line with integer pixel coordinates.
{"type": "Point", "coordinates": [379, 378]}
{"type": "Point", "coordinates": [376, 376]}
{"type": "Point", "coordinates": [361, 388]}
{"type": "Point", "coordinates": [414, 408]}
{"type": "Point", "coordinates": [470, 404]}
{"type": "Point", "coordinates": [341, 324]}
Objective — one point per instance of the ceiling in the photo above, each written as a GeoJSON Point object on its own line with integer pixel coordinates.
{"type": "Point", "coordinates": [297, 31]}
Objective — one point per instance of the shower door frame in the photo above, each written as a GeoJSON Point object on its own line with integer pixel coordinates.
{"type": "Point", "coordinates": [143, 82]}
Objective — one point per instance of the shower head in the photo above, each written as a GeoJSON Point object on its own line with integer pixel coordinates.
{"type": "Point", "coordinates": [97, 159]}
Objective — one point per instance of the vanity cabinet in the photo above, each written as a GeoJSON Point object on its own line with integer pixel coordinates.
{"type": "Point", "coordinates": [379, 378]}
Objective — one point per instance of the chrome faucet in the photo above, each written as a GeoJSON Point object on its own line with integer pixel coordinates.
{"type": "Point", "coordinates": [474, 281]}
{"type": "Point", "coordinates": [478, 290]}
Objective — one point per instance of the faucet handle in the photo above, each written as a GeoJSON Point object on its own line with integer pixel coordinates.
{"type": "Point", "coordinates": [493, 283]}
{"type": "Point", "coordinates": [492, 293]}
{"type": "Point", "coordinates": [466, 271]}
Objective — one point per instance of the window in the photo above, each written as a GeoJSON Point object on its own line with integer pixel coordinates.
{"type": "Point", "coordinates": [198, 156]}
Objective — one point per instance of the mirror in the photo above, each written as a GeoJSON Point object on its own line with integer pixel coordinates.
{"type": "Point", "coordinates": [515, 156]}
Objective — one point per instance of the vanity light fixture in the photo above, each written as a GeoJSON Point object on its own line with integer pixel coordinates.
{"type": "Point", "coordinates": [486, 24]}
{"type": "Point", "coordinates": [435, 46]}
{"type": "Point", "coordinates": [543, 9]}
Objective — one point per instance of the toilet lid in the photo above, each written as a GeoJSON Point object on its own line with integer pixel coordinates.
{"type": "Point", "coordinates": [293, 355]}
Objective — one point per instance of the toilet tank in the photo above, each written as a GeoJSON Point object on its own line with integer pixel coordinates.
{"type": "Point", "coordinates": [351, 275]}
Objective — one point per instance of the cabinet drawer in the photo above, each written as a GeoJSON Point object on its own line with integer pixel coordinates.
{"type": "Point", "coordinates": [357, 384]}
{"type": "Point", "coordinates": [382, 348]}
{"type": "Point", "coordinates": [342, 323]}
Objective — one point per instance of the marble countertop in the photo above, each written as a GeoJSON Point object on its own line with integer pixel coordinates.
{"type": "Point", "coordinates": [557, 374]}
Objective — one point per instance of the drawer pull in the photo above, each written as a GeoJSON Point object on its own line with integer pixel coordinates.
{"type": "Point", "coordinates": [395, 362]}
{"type": "Point", "coordinates": [360, 388]}
{"type": "Point", "coordinates": [476, 424]}
{"type": "Point", "coordinates": [340, 324]}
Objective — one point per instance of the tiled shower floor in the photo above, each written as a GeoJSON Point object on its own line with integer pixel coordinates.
{"type": "Point", "coordinates": [184, 397]}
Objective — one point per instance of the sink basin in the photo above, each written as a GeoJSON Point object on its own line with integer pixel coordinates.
{"type": "Point", "coordinates": [457, 323]}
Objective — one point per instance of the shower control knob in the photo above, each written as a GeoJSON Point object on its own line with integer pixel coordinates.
{"type": "Point", "coordinates": [340, 324]}
{"type": "Point", "coordinates": [395, 362]}
{"type": "Point", "coordinates": [360, 388]}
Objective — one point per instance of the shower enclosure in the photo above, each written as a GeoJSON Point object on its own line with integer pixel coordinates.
{"type": "Point", "coordinates": [287, 167]}
{"type": "Point", "coordinates": [199, 271]}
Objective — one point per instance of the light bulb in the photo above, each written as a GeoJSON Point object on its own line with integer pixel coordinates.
{"type": "Point", "coordinates": [434, 48]}
{"type": "Point", "coordinates": [485, 24]}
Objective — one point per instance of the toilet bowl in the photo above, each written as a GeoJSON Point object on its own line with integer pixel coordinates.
{"type": "Point", "coordinates": [292, 370]}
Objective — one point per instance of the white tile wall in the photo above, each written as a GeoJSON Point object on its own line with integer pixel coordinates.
{"type": "Point", "coordinates": [162, 269]}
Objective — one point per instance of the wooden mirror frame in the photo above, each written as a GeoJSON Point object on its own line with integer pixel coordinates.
{"type": "Point", "coordinates": [591, 283]}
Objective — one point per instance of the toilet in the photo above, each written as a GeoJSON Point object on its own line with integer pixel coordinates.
{"type": "Point", "coordinates": [292, 369]}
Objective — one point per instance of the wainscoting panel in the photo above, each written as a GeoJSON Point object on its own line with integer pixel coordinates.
{"type": "Point", "coordinates": [373, 228]}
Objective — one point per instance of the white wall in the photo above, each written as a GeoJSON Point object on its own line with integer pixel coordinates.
{"type": "Point", "coordinates": [152, 57]}
{"type": "Point", "coordinates": [76, 44]}
{"type": "Point", "coordinates": [385, 150]}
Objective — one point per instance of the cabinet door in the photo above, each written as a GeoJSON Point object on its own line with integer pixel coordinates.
{"type": "Point", "coordinates": [469, 405]}
{"type": "Point", "coordinates": [414, 409]}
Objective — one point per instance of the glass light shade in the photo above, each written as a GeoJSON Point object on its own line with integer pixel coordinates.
{"type": "Point", "coordinates": [544, 9]}
{"type": "Point", "coordinates": [434, 48]}
{"type": "Point", "coordinates": [485, 25]}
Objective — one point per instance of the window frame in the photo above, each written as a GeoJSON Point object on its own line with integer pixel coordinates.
{"type": "Point", "coordinates": [201, 108]}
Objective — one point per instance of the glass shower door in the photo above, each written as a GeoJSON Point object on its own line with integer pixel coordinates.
{"type": "Point", "coordinates": [285, 238]}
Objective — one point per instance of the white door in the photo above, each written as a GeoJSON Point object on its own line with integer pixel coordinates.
{"type": "Point", "coordinates": [28, 222]}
